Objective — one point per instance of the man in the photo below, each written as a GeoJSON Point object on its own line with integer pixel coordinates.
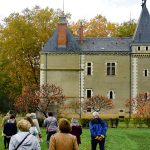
{"type": "Point", "coordinates": [98, 131]}
{"type": "Point", "coordinates": [51, 126]}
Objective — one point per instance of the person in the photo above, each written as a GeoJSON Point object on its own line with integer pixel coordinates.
{"type": "Point", "coordinates": [4, 120]}
{"type": "Point", "coordinates": [51, 126]}
{"type": "Point", "coordinates": [36, 123]}
{"type": "Point", "coordinates": [98, 129]}
{"type": "Point", "coordinates": [63, 140]}
{"type": "Point", "coordinates": [33, 130]}
{"type": "Point", "coordinates": [76, 129]}
{"type": "Point", "coordinates": [10, 128]}
{"type": "Point", "coordinates": [23, 139]}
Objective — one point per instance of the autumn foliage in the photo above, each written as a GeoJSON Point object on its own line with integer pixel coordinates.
{"type": "Point", "coordinates": [97, 103]}
{"type": "Point", "coordinates": [34, 99]}
{"type": "Point", "coordinates": [28, 101]}
{"type": "Point", "coordinates": [140, 106]}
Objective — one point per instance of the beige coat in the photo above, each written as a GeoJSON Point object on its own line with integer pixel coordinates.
{"type": "Point", "coordinates": [63, 141]}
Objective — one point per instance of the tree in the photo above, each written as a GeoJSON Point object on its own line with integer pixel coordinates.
{"type": "Point", "coordinates": [43, 99]}
{"type": "Point", "coordinates": [50, 97]}
{"type": "Point", "coordinates": [140, 107]}
{"type": "Point", "coordinates": [97, 103]}
{"type": "Point", "coordinates": [21, 38]}
{"type": "Point", "coordinates": [28, 101]}
{"type": "Point", "coordinates": [126, 29]}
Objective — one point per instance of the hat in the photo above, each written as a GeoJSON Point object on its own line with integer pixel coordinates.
{"type": "Point", "coordinates": [95, 114]}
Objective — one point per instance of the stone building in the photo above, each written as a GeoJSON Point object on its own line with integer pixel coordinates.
{"type": "Point", "coordinates": [118, 68]}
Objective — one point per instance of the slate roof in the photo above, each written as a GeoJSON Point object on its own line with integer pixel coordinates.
{"type": "Point", "coordinates": [142, 33]}
{"type": "Point", "coordinates": [106, 45]}
{"type": "Point", "coordinates": [52, 46]}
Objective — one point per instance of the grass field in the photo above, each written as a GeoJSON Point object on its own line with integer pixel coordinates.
{"type": "Point", "coordinates": [117, 139]}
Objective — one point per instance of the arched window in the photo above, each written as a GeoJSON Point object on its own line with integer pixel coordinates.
{"type": "Point", "coordinates": [111, 95]}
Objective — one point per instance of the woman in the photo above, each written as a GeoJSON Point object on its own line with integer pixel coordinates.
{"type": "Point", "coordinates": [10, 128]}
{"type": "Point", "coordinates": [33, 130]}
{"type": "Point", "coordinates": [76, 129]}
{"type": "Point", "coordinates": [57, 141]}
{"type": "Point", "coordinates": [23, 139]}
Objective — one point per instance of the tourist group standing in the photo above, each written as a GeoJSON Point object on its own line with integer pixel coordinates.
{"type": "Point", "coordinates": [61, 135]}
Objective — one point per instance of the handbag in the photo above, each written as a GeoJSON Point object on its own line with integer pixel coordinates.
{"type": "Point", "coordinates": [22, 141]}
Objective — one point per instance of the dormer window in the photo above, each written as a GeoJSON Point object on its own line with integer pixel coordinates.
{"type": "Point", "coordinates": [138, 48]}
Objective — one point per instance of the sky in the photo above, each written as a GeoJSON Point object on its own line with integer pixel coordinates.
{"type": "Point", "coordinates": [117, 11]}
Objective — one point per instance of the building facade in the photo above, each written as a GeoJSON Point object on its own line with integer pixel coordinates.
{"type": "Point", "coordinates": [118, 68]}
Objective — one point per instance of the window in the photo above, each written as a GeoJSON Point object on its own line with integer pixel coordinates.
{"type": "Point", "coordinates": [146, 95]}
{"type": "Point", "coordinates": [146, 72]}
{"type": "Point", "coordinates": [138, 48]}
{"type": "Point", "coordinates": [146, 48]}
{"type": "Point", "coordinates": [88, 93]}
{"type": "Point", "coordinates": [111, 95]}
{"type": "Point", "coordinates": [111, 69]}
{"type": "Point", "coordinates": [89, 68]}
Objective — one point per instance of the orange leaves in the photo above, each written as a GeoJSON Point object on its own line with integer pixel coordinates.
{"type": "Point", "coordinates": [140, 104]}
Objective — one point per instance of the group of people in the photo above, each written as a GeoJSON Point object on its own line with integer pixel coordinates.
{"type": "Point", "coordinates": [68, 137]}
{"type": "Point", "coordinates": [62, 135]}
{"type": "Point", "coordinates": [22, 134]}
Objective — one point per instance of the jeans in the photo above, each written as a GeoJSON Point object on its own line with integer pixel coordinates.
{"type": "Point", "coordinates": [94, 143]}
{"type": "Point", "coordinates": [49, 134]}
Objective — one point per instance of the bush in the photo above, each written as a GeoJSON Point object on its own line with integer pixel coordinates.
{"type": "Point", "coordinates": [85, 122]}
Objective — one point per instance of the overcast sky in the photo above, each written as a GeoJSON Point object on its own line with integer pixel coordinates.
{"type": "Point", "coordinates": [116, 11]}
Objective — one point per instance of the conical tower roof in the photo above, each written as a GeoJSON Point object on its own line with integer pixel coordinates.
{"type": "Point", "coordinates": [142, 32]}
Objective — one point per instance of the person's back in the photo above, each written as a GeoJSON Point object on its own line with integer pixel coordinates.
{"type": "Point", "coordinates": [63, 141]}
{"type": "Point", "coordinates": [76, 129]}
{"type": "Point", "coordinates": [23, 139]}
{"type": "Point", "coordinates": [30, 143]}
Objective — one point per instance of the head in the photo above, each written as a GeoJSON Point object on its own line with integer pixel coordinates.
{"type": "Point", "coordinates": [23, 125]}
{"type": "Point", "coordinates": [30, 120]}
{"type": "Point", "coordinates": [64, 126]}
{"type": "Point", "coordinates": [33, 115]}
{"type": "Point", "coordinates": [50, 114]}
{"type": "Point", "coordinates": [74, 121]}
{"type": "Point", "coordinates": [95, 114]}
{"type": "Point", "coordinates": [12, 117]}
{"type": "Point", "coordinates": [28, 115]}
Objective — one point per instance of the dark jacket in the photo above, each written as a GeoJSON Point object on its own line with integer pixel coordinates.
{"type": "Point", "coordinates": [10, 128]}
{"type": "Point", "coordinates": [97, 127]}
{"type": "Point", "coordinates": [77, 131]}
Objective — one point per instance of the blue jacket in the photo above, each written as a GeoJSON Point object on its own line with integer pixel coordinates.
{"type": "Point", "coordinates": [97, 127]}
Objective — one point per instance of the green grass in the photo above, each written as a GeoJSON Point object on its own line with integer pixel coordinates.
{"type": "Point", "coordinates": [117, 139]}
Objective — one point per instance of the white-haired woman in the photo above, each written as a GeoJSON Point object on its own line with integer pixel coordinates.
{"type": "Point", "coordinates": [23, 139]}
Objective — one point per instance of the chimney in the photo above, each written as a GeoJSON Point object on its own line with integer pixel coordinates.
{"type": "Point", "coordinates": [62, 36]}
{"type": "Point", "coordinates": [81, 33]}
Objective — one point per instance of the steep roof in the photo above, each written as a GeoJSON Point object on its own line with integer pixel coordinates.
{"type": "Point", "coordinates": [142, 32]}
{"type": "Point", "coordinates": [52, 46]}
{"type": "Point", "coordinates": [106, 44]}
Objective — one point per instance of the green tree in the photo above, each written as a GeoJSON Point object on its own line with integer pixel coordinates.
{"type": "Point", "coordinates": [126, 29]}
{"type": "Point", "coordinates": [21, 38]}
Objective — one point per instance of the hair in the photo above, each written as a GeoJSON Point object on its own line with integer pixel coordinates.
{"type": "Point", "coordinates": [33, 115]}
{"type": "Point", "coordinates": [23, 125]}
{"type": "Point", "coordinates": [30, 120]}
{"type": "Point", "coordinates": [64, 126]}
{"type": "Point", "coordinates": [50, 114]}
{"type": "Point", "coordinates": [12, 116]}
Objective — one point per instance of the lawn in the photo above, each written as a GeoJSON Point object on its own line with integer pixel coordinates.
{"type": "Point", "coordinates": [117, 139]}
